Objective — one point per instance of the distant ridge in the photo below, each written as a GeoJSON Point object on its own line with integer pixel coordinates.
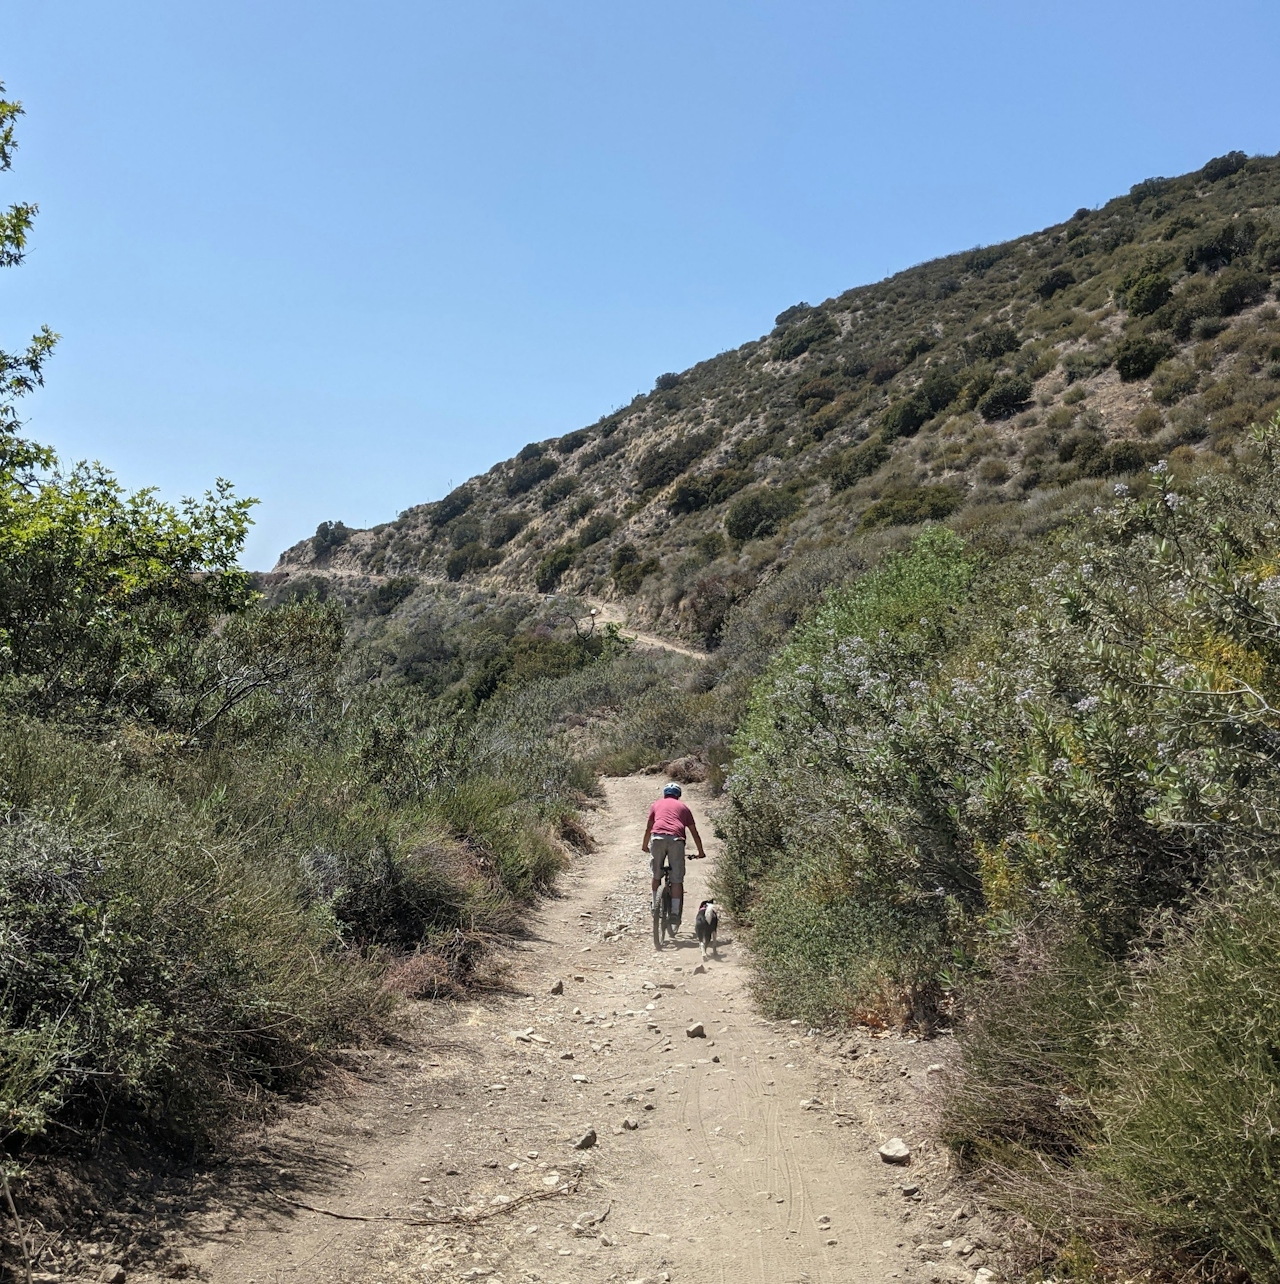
{"type": "Point", "coordinates": [992, 386]}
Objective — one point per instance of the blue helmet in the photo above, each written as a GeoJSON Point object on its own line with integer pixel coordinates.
{"type": "Point", "coordinates": [672, 791]}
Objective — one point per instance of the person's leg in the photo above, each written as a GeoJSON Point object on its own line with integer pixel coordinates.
{"type": "Point", "coordinates": [675, 855]}
{"type": "Point", "coordinates": [657, 850]}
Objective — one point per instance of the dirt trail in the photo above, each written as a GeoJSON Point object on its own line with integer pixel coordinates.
{"type": "Point", "coordinates": [612, 613]}
{"type": "Point", "coordinates": [753, 1159]}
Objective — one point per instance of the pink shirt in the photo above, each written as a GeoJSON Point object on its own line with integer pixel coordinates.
{"type": "Point", "coordinates": [669, 816]}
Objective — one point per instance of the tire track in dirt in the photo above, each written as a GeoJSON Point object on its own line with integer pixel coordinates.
{"type": "Point", "coordinates": [481, 1103]}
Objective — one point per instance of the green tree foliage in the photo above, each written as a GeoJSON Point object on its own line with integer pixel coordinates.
{"type": "Point", "coordinates": [595, 529]}
{"type": "Point", "coordinates": [1239, 288]}
{"type": "Point", "coordinates": [472, 556]}
{"type": "Point", "coordinates": [560, 488]}
{"type": "Point", "coordinates": [939, 388]}
{"type": "Point", "coordinates": [1223, 245]}
{"type": "Point", "coordinates": [103, 594]}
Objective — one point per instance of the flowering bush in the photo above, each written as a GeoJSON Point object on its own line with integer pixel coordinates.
{"type": "Point", "coordinates": [955, 753]}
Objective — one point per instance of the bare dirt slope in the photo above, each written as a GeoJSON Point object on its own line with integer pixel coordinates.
{"type": "Point", "coordinates": [745, 1155]}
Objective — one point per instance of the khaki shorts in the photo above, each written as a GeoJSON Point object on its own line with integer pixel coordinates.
{"type": "Point", "coordinates": [661, 845]}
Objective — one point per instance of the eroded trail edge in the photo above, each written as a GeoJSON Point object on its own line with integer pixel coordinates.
{"type": "Point", "coordinates": [748, 1154]}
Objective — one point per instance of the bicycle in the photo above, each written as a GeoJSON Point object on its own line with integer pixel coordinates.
{"type": "Point", "coordinates": [663, 925]}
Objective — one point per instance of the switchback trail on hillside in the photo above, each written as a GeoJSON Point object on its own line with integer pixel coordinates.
{"type": "Point", "coordinates": [612, 613]}
{"type": "Point", "coordinates": [745, 1155]}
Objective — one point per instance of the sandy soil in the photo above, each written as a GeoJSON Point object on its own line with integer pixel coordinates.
{"type": "Point", "coordinates": [745, 1155]}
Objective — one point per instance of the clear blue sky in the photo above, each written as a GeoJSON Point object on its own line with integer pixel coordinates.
{"type": "Point", "coordinates": [346, 254]}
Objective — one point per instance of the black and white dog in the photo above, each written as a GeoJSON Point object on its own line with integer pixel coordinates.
{"type": "Point", "coordinates": [705, 925]}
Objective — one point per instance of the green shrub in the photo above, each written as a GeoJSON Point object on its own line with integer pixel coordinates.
{"type": "Point", "coordinates": [711, 545]}
{"type": "Point", "coordinates": [1029, 1047]}
{"type": "Point", "coordinates": [992, 343]}
{"type": "Point", "coordinates": [793, 313]}
{"type": "Point", "coordinates": [141, 942]}
{"type": "Point", "coordinates": [603, 449]}
{"type": "Point", "coordinates": [827, 957]}
{"type": "Point", "coordinates": [817, 327]}
{"type": "Point", "coordinates": [1085, 364]}
{"type": "Point", "coordinates": [850, 467]}
{"type": "Point", "coordinates": [1190, 1116]}
{"type": "Point", "coordinates": [628, 571]}
{"type": "Point", "coordinates": [1005, 397]}
{"type": "Point", "coordinates": [1174, 382]}
{"type": "Point", "coordinates": [759, 513]}
{"type": "Point", "coordinates": [1148, 421]}
{"type": "Point", "coordinates": [534, 450]}
{"type": "Point", "coordinates": [328, 536]}
{"type": "Point", "coordinates": [1054, 281]}
{"type": "Point", "coordinates": [814, 393]}
{"type": "Point", "coordinates": [663, 464]}
{"type": "Point", "coordinates": [597, 528]}
{"type": "Point", "coordinates": [692, 494]}
{"type": "Point", "coordinates": [470, 557]}
{"type": "Point", "coordinates": [1149, 292]}
{"type": "Point", "coordinates": [454, 504]}
{"type": "Point", "coordinates": [561, 488]}
{"type": "Point", "coordinates": [383, 598]}
{"type": "Point", "coordinates": [1240, 288]}
{"type": "Point", "coordinates": [1136, 357]}
{"type": "Point", "coordinates": [1221, 167]}
{"type": "Point", "coordinates": [984, 257]}
{"type": "Point", "coordinates": [904, 418]}
{"type": "Point", "coordinates": [666, 382]}
{"type": "Point", "coordinates": [1226, 243]}
{"type": "Point", "coordinates": [573, 441]}
{"type": "Point", "coordinates": [553, 565]}
{"type": "Point", "coordinates": [527, 474]}
{"type": "Point", "coordinates": [710, 600]}
{"type": "Point", "coordinates": [506, 526]}
{"type": "Point", "coordinates": [909, 505]}
{"type": "Point", "coordinates": [917, 346]}
{"type": "Point", "coordinates": [939, 388]}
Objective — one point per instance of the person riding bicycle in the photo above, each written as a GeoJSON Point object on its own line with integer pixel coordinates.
{"type": "Point", "coordinates": [664, 840]}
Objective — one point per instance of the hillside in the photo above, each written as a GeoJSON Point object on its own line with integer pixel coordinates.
{"type": "Point", "coordinates": [990, 388]}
